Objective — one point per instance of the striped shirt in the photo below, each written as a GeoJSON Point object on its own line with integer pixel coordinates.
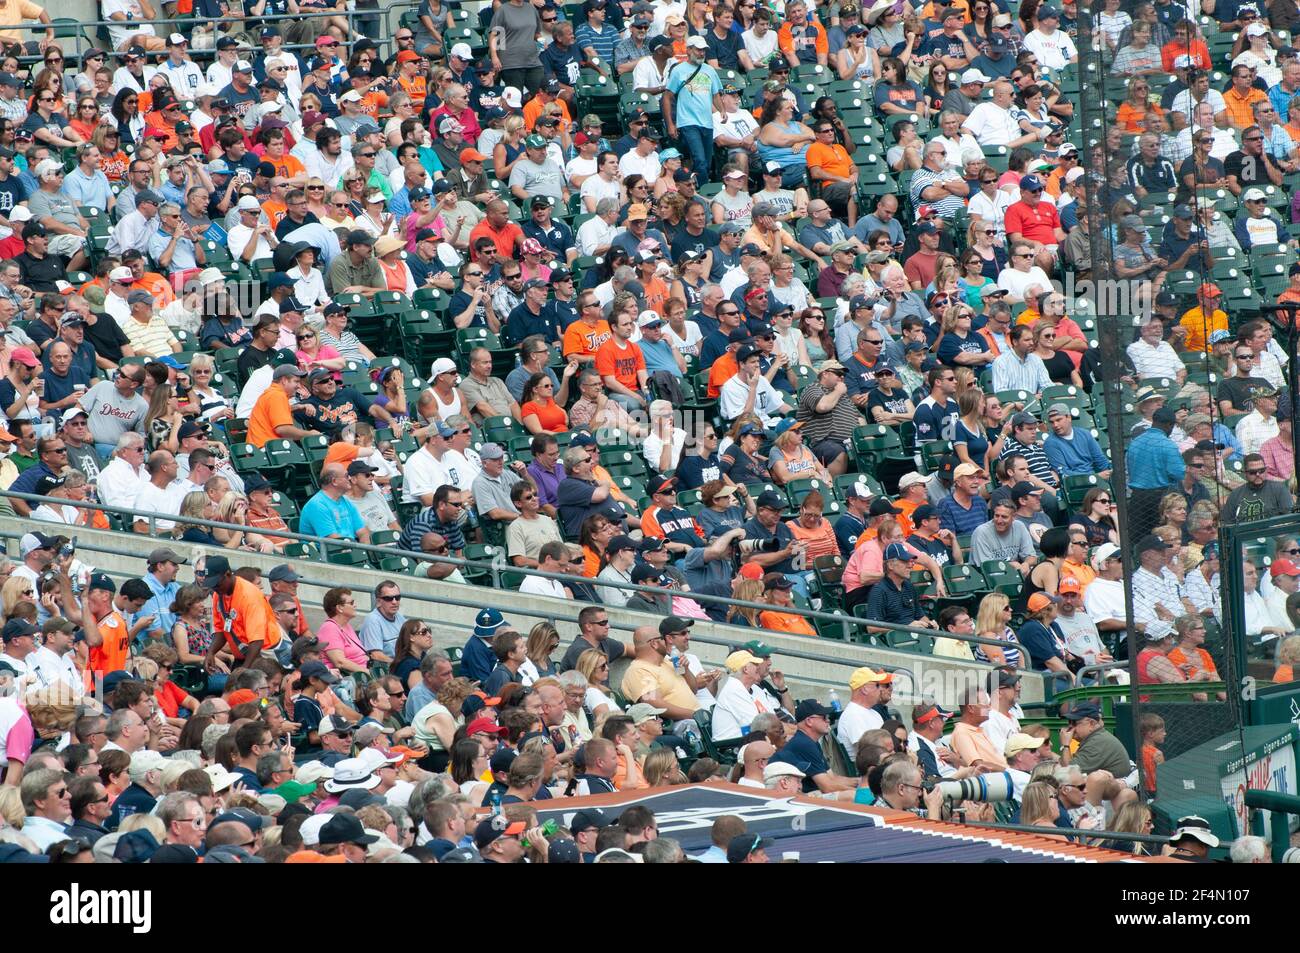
{"type": "Point", "coordinates": [154, 339]}
{"type": "Point", "coordinates": [602, 43]}
{"type": "Point", "coordinates": [1037, 461]}
{"type": "Point", "coordinates": [1012, 373]}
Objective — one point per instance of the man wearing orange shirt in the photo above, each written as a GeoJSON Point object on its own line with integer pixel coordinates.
{"type": "Point", "coordinates": [800, 39]}
{"type": "Point", "coordinates": [1204, 319]}
{"type": "Point", "coordinates": [621, 365]}
{"type": "Point", "coordinates": [149, 281]}
{"type": "Point", "coordinates": [272, 416]}
{"type": "Point", "coordinates": [829, 163]}
{"type": "Point", "coordinates": [1183, 45]}
{"type": "Point", "coordinates": [655, 295]}
{"type": "Point", "coordinates": [584, 337]}
{"type": "Point", "coordinates": [1241, 96]}
{"type": "Point", "coordinates": [725, 367]}
{"type": "Point", "coordinates": [911, 494]}
{"type": "Point", "coordinates": [1292, 293]}
{"type": "Point", "coordinates": [546, 94]}
{"type": "Point", "coordinates": [276, 207]}
{"type": "Point", "coordinates": [109, 653]}
{"type": "Point", "coordinates": [241, 614]}
{"type": "Point", "coordinates": [498, 227]}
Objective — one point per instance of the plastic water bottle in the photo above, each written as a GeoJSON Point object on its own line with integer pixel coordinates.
{"type": "Point", "coordinates": [496, 801]}
{"type": "Point", "coordinates": [835, 701]}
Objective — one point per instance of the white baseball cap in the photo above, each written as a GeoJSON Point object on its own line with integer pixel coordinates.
{"type": "Point", "coordinates": [249, 203]}
{"type": "Point", "coordinates": [781, 769]}
{"type": "Point", "coordinates": [123, 273]}
{"type": "Point", "coordinates": [1104, 552]}
{"type": "Point", "coordinates": [698, 42]}
{"type": "Point", "coordinates": [462, 52]}
{"type": "Point", "coordinates": [351, 96]}
{"type": "Point", "coordinates": [310, 829]}
{"type": "Point", "coordinates": [973, 76]}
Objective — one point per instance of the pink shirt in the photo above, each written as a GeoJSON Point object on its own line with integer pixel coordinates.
{"type": "Point", "coordinates": [1278, 458]}
{"type": "Point", "coordinates": [323, 353]}
{"type": "Point", "coordinates": [867, 559]}
{"type": "Point", "coordinates": [333, 636]}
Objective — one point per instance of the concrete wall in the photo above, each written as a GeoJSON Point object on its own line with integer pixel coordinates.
{"type": "Point", "coordinates": [832, 661]}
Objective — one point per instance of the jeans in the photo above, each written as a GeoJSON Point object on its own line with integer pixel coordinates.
{"type": "Point", "coordinates": [630, 404]}
{"type": "Point", "coordinates": [698, 141]}
{"type": "Point", "coordinates": [105, 450]}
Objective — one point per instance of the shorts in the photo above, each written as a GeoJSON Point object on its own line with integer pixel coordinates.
{"type": "Point", "coordinates": [66, 245]}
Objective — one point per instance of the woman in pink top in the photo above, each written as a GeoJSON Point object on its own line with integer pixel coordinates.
{"type": "Point", "coordinates": [340, 645]}
{"type": "Point", "coordinates": [312, 353]}
{"type": "Point", "coordinates": [867, 564]}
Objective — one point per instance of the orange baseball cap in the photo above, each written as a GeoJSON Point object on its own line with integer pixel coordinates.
{"type": "Point", "coordinates": [241, 696]}
{"type": "Point", "coordinates": [408, 56]}
{"type": "Point", "coordinates": [1283, 567]}
{"type": "Point", "coordinates": [311, 857]}
{"type": "Point", "coordinates": [1209, 290]}
{"type": "Point", "coordinates": [1039, 601]}
{"type": "Point", "coordinates": [751, 571]}
{"type": "Point", "coordinates": [472, 155]}
{"type": "Point", "coordinates": [1069, 584]}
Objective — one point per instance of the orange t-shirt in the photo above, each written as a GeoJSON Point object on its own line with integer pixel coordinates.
{"type": "Point", "coordinates": [158, 286]}
{"type": "Point", "coordinates": [551, 416]}
{"type": "Point", "coordinates": [1179, 657]}
{"type": "Point", "coordinates": [785, 37]}
{"type": "Point", "coordinates": [111, 655]}
{"type": "Point", "coordinates": [621, 363]}
{"type": "Point", "coordinates": [1283, 674]}
{"type": "Point", "coordinates": [1133, 119]}
{"type": "Point", "coordinates": [371, 103]}
{"type": "Point", "coordinates": [416, 87]}
{"type": "Point", "coordinates": [590, 563]}
{"type": "Point", "coordinates": [114, 165]}
{"type": "Point", "coordinates": [821, 541]}
{"type": "Point", "coordinates": [904, 519]}
{"type": "Point", "coordinates": [275, 211]}
{"type": "Point", "coordinates": [655, 296]}
{"type": "Point", "coordinates": [582, 337]}
{"type": "Point", "coordinates": [1194, 50]}
{"type": "Point", "coordinates": [288, 166]}
{"type": "Point", "coordinates": [169, 696]}
{"type": "Point", "coordinates": [650, 526]}
{"type": "Point", "coordinates": [340, 452]}
{"type": "Point", "coordinates": [832, 159]}
{"type": "Point", "coordinates": [270, 411]}
{"type": "Point", "coordinates": [533, 109]}
{"type": "Point", "coordinates": [506, 239]}
{"type": "Point", "coordinates": [1149, 767]}
{"type": "Point", "coordinates": [619, 780]}
{"type": "Point", "coordinates": [785, 622]}
{"type": "Point", "coordinates": [723, 370]}
{"type": "Point", "coordinates": [245, 617]}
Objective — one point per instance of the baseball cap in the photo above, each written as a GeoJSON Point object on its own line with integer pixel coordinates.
{"type": "Point", "coordinates": [1031, 183]}
{"type": "Point", "coordinates": [1018, 742]}
{"type": "Point", "coordinates": [866, 676]}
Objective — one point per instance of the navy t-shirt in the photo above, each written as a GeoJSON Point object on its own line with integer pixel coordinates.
{"type": "Point", "coordinates": [1040, 643]}
{"type": "Point", "coordinates": [694, 472]}
{"type": "Point", "coordinates": [932, 421]}
{"type": "Point", "coordinates": [952, 345]}
{"type": "Point", "coordinates": [806, 755]}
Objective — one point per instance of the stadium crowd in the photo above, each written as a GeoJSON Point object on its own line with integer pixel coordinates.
{"type": "Point", "coordinates": [728, 312]}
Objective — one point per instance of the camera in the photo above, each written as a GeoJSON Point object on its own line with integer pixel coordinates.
{"type": "Point", "coordinates": [747, 547]}
{"type": "Point", "coordinates": [68, 548]}
{"type": "Point", "coordinates": [988, 788]}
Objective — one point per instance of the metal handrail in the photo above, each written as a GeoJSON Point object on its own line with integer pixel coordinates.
{"type": "Point", "coordinates": [323, 543]}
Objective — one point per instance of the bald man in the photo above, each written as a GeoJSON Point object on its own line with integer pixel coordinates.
{"type": "Point", "coordinates": [330, 513]}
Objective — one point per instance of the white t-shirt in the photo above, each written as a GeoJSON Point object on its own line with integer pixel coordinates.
{"type": "Point", "coordinates": [1015, 282]}
{"type": "Point", "coordinates": [634, 163]}
{"type": "Point", "coordinates": [654, 445]}
{"type": "Point", "coordinates": [735, 125]}
{"type": "Point", "coordinates": [688, 345]}
{"type": "Point", "coordinates": [999, 727]}
{"type": "Point", "coordinates": [766, 401]}
{"type": "Point", "coordinates": [151, 499]}
{"type": "Point", "coordinates": [597, 188]}
{"type": "Point", "coordinates": [991, 125]}
{"type": "Point", "coordinates": [1054, 52]}
{"type": "Point", "coordinates": [579, 166]}
{"type": "Point", "coordinates": [238, 238]}
{"type": "Point", "coordinates": [119, 483]}
{"type": "Point", "coordinates": [759, 48]}
{"type": "Point", "coordinates": [733, 711]}
{"type": "Point", "coordinates": [462, 468]}
{"type": "Point", "coordinates": [854, 720]}
{"type": "Point", "coordinates": [53, 669]}
{"type": "Point", "coordinates": [422, 474]}
{"type": "Point", "coordinates": [537, 586]}
{"type": "Point", "coordinates": [647, 75]}
{"type": "Point", "coordinates": [594, 233]}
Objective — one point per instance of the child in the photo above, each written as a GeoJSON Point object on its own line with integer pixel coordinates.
{"type": "Point", "coordinates": [1153, 735]}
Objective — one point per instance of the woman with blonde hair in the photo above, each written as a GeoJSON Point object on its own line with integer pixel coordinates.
{"type": "Point", "coordinates": [113, 161]}
{"type": "Point", "coordinates": [594, 666]}
{"type": "Point", "coordinates": [507, 152]}
{"type": "Point", "coordinates": [660, 768]}
{"type": "Point", "coordinates": [745, 590]}
{"type": "Point", "coordinates": [213, 405]}
{"type": "Point", "coordinates": [1288, 656]}
{"type": "Point", "coordinates": [791, 460]}
{"type": "Point", "coordinates": [993, 621]}
{"type": "Point", "coordinates": [1132, 817]}
{"type": "Point", "coordinates": [972, 441]}
{"type": "Point", "coordinates": [233, 509]}
{"type": "Point", "coordinates": [16, 589]}
{"type": "Point", "coordinates": [786, 288]}
{"type": "Point", "coordinates": [11, 807]}
{"type": "Point", "coordinates": [543, 639]}
{"type": "Point", "coordinates": [1039, 806]}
